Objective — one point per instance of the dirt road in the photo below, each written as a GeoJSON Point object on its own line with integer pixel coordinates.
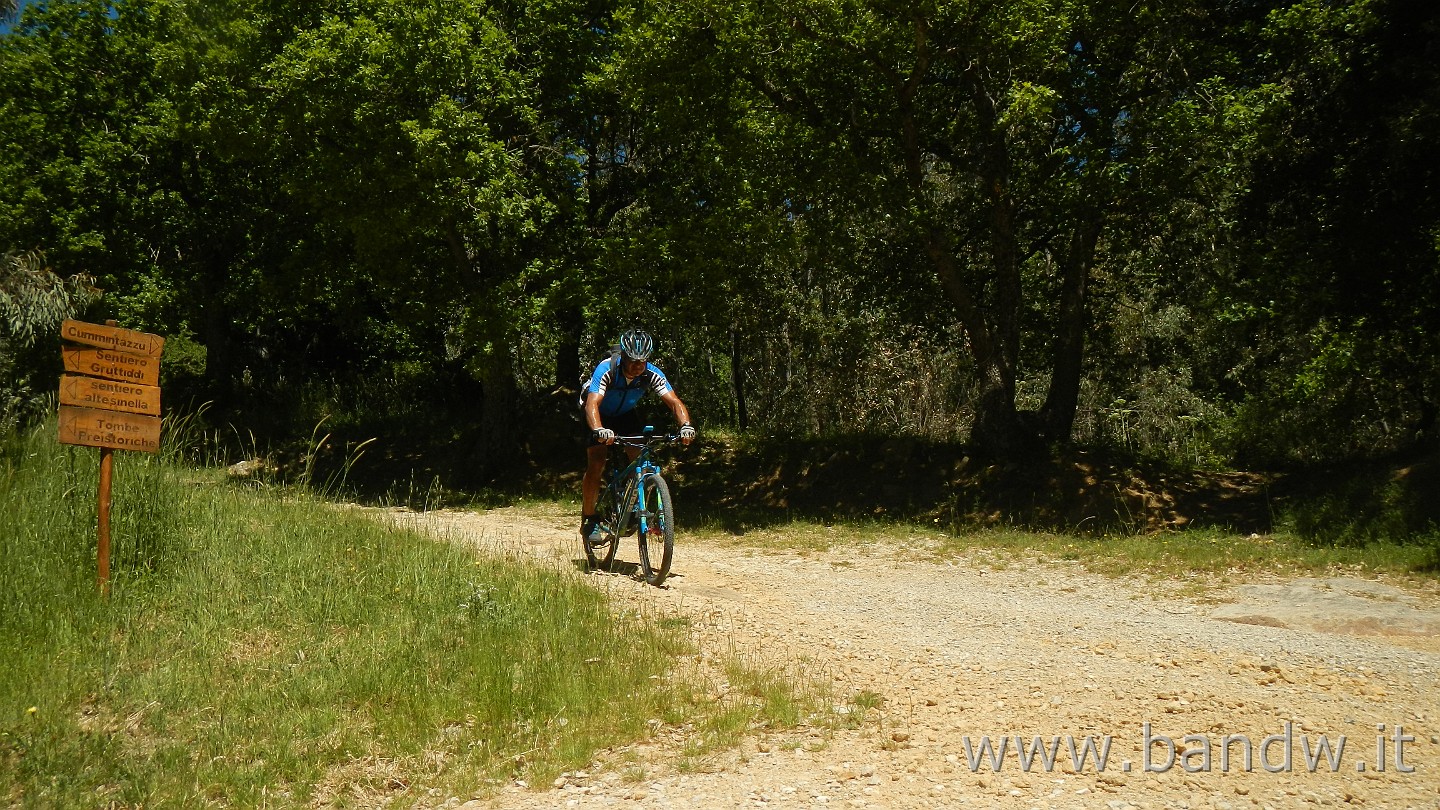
{"type": "Point", "coordinates": [959, 653]}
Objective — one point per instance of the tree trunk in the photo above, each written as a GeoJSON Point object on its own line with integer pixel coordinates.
{"type": "Point", "coordinates": [1425, 433]}
{"type": "Point", "coordinates": [737, 375]}
{"type": "Point", "coordinates": [211, 244]}
{"type": "Point", "coordinates": [499, 444]}
{"type": "Point", "coordinates": [998, 430]}
{"type": "Point", "coordinates": [567, 354]}
{"type": "Point", "coordinates": [993, 331]}
{"type": "Point", "coordinates": [1057, 416]}
{"type": "Point", "coordinates": [215, 329]}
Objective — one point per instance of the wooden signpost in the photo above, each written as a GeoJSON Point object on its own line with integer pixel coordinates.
{"type": "Point", "coordinates": [109, 429]}
{"type": "Point", "coordinates": [112, 365]}
{"type": "Point", "coordinates": [110, 400]}
{"type": "Point", "coordinates": [90, 392]}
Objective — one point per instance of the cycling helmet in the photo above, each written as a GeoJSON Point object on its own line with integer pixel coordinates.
{"type": "Point", "coordinates": [636, 344]}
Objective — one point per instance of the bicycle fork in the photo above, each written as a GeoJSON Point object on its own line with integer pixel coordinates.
{"type": "Point", "coordinates": [642, 509]}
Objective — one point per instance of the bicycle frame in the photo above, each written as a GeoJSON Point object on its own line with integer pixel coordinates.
{"type": "Point", "coordinates": [628, 481]}
{"type": "Point", "coordinates": [635, 497]}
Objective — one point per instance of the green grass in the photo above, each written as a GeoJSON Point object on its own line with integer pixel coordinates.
{"type": "Point", "coordinates": [265, 648]}
{"type": "Point", "coordinates": [744, 696]}
{"type": "Point", "coordinates": [1205, 553]}
{"type": "Point", "coordinates": [812, 537]}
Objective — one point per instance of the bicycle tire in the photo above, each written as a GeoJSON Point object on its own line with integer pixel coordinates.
{"type": "Point", "coordinates": [657, 543]}
{"type": "Point", "coordinates": [601, 555]}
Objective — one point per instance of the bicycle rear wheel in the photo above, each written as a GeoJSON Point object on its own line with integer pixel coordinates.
{"type": "Point", "coordinates": [657, 542]}
{"type": "Point", "coordinates": [599, 554]}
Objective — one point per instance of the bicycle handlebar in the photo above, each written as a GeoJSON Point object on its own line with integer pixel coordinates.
{"type": "Point", "coordinates": [641, 441]}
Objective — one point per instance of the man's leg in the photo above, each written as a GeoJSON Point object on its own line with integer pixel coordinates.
{"type": "Point", "coordinates": [590, 488]}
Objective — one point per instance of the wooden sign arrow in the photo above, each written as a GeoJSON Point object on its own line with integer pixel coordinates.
{"type": "Point", "coordinates": [96, 428]}
{"type": "Point", "coordinates": [112, 337]}
{"type": "Point", "coordinates": [112, 365]}
{"type": "Point", "coordinates": [90, 392]}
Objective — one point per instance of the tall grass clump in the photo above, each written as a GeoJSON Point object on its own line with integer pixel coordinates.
{"type": "Point", "coordinates": [266, 648]}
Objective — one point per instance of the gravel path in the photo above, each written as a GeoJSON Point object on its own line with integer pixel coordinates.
{"type": "Point", "coordinates": [960, 651]}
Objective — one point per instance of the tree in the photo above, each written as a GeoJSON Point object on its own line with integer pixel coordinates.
{"type": "Point", "coordinates": [999, 143]}
{"type": "Point", "coordinates": [1340, 272]}
{"type": "Point", "coordinates": [33, 302]}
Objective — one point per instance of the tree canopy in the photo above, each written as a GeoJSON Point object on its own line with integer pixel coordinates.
{"type": "Point", "coordinates": [1202, 230]}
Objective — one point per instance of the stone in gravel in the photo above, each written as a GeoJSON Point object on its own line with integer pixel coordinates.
{"type": "Point", "coordinates": [1111, 779]}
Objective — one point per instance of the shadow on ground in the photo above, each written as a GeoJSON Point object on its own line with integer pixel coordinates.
{"type": "Point", "coordinates": [752, 482]}
{"type": "Point", "coordinates": [860, 478]}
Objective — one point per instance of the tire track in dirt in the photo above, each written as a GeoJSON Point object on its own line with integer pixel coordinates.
{"type": "Point", "coordinates": [956, 651]}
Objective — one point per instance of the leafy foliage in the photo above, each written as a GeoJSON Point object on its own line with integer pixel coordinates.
{"type": "Point", "coordinates": [1203, 232]}
{"type": "Point", "coordinates": [33, 302]}
{"type": "Point", "coordinates": [1340, 269]}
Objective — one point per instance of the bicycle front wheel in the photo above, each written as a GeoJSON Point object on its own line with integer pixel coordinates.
{"type": "Point", "coordinates": [657, 542]}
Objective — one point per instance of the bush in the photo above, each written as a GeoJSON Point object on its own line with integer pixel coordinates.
{"type": "Point", "coordinates": [33, 302]}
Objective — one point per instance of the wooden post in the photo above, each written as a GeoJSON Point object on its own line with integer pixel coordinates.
{"type": "Point", "coordinates": [102, 511]}
{"type": "Point", "coordinates": [110, 399]}
{"type": "Point", "coordinates": [107, 463]}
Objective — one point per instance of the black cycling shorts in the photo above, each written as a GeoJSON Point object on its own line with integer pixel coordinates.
{"type": "Point", "coordinates": [624, 424]}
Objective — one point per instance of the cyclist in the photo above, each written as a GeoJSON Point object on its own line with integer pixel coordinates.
{"type": "Point", "coordinates": [618, 384]}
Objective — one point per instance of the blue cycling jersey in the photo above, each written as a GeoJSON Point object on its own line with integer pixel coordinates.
{"type": "Point", "coordinates": [619, 395]}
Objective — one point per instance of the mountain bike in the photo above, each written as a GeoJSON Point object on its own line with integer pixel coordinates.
{"type": "Point", "coordinates": [635, 500]}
